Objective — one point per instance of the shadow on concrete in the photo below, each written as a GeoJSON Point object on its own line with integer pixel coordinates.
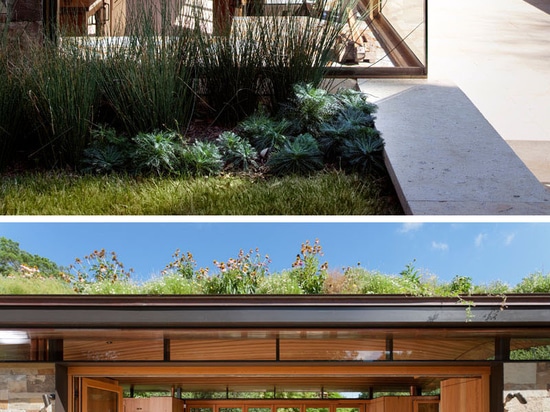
{"type": "Point", "coordinates": [543, 5]}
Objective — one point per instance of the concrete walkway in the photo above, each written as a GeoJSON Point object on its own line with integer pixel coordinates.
{"type": "Point", "coordinates": [455, 140]}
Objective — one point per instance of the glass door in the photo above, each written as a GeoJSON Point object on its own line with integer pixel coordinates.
{"type": "Point", "coordinates": [99, 396]}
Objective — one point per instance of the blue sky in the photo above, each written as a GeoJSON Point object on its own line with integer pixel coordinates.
{"type": "Point", "coordinates": [486, 251]}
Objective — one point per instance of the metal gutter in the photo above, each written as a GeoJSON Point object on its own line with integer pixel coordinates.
{"type": "Point", "coordinates": [328, 311]}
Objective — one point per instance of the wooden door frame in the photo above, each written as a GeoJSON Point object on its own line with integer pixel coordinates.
{"type": "Point", "coordinates": [84, 383]}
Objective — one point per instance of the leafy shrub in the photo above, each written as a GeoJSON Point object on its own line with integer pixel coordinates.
{"type": "Point", "coordinates": [171, 284]}
{"type": "Point", "coordinates": [496, 287]}
{"type": "Point", "coordinates": [534, 283]}
{"type": "Point", "coordinates": [461, 285]}
{"type": "Point", "coordinates": [202, 159]}
{"type": "Point", "coordinates": [158, 152]}
{"type": "Point", "coordinates": [369, 282]}
{"type": "Point", "coordinates": [283, 283]}
{"type": "Point", "coordinates": [298, 156]}
{"type": "Point", "coordinates": [237, 152]}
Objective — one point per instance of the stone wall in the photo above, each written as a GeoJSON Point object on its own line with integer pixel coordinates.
{"type": "Point", "coordinates": [24, 20]}
{"type": "Point", "coordinates": [532, 381]}
{"type": "Point", "coordinates": [22, 386]}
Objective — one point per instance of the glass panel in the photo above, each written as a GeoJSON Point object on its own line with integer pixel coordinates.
{"type": "Point", "coordinates": [15, 352]}
{"type": "Point", "coordinates": [439, 349]}
{"type": "Point", "coordinates": [313, 409]}
{"type": "Point", "coordinates": [289, 409]}
{"type": "Point", "coordinates": [259, 409]}
{"type": "Point", "coordinates": [332, 349]}
{"type": "Point", "coordinates": [230, 409]}
{"type": "Point", "coordinates": [530, 349]}
{"type": "Point", "coordinates": [113, 350]}
{"type": "Point", "coordinates": [407, 18]}
{"type": "Point", "coordinates": [100, 400]}
{"type": "Point", "coordinates": [346, 409]}
{"type": "Point", "coordinates": [200, 409]}
{"type": "Point", "coordinates": [375, 34]}
{"type": "Point", "coordinates": [14, 345]}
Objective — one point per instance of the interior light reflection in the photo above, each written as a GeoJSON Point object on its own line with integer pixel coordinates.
{"type": "Point", "coordinates": [13, 337]}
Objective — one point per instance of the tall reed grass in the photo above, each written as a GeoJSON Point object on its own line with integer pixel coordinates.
{"type": "Point", "coordinates": [147, 76]}
{"type": "Point", "coordinates": [10, 107]}
{"type": "Point", "coordinates": [63, 96]}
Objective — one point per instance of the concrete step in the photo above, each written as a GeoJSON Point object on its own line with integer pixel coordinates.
{"type": "Point", "coordinates": [445, 158]}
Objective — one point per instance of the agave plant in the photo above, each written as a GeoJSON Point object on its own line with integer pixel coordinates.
{"type": "Point", "coordinates": [264, 131]}
{"type": "Point", "coordinates": [202, 158]}
{"type": "Point", "coordinates": [311, 107]}
{"type": "Point", "coordinates": [107, 153]}
{"type": "Point", "coordinates": [298, 156]}
{"type": "Point", "coordinates": [158, 152]}
{"type": "Point", "coordinates": [363, 152]}
{"type": "Point", "coordinates": [349, 98]}
{"type": "Point", "coordinates": [237, 152]}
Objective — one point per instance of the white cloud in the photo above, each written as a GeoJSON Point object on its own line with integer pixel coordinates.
{"type": "Point", "coordinates": [509, 239]}
{"type": "Point", "coordinates": [410, 227]}
{"type": "Point", "coordinates": [480, 239]}
{"type": "Point", "coordinates": [440, 246]}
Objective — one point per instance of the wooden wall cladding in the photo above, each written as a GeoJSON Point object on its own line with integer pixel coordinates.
{"type": "Point", "coordinates": [235, 349]}
{"type": "Point", "coordinates": [119, 350]}
{"type": "Point", "coordinates": [462, 395]}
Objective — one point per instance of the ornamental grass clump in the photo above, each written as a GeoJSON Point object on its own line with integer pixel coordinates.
{"type": "Point", "coordinates": [63, 94]}
{"type": "Point", "coordinates": [243, 62]}
{"type": "Point", "coordinates": [11, 107]}
{"type": "Point", "coordinates": [147, 76]}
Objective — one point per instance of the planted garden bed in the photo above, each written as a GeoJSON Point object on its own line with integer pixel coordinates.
{"type": "Point", "coordinates": [183, 110]}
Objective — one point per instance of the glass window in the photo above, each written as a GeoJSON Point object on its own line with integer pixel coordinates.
{"type": "Point", "coordinates": [14, 346]}
{"type": "Point", "coordinates": [115, 350]}
{"type": "Point", "coordinates": [407, 18]}
{"type": "Point", "coordinates": [332, 349]}
{"type": "Point", "coordinates": [373, 34]}
{"type": "Point", "coordinates": [236, 409]}
{"type": "Point", "coordinates": [439, 349]}
{"type": "Point", "coordinates": [258, 409]}
{"type": "Point", "coordinates": [530, 349]}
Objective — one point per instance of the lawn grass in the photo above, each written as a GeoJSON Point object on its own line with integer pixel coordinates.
{"type": "Point", "coordinates": [328, 193]}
